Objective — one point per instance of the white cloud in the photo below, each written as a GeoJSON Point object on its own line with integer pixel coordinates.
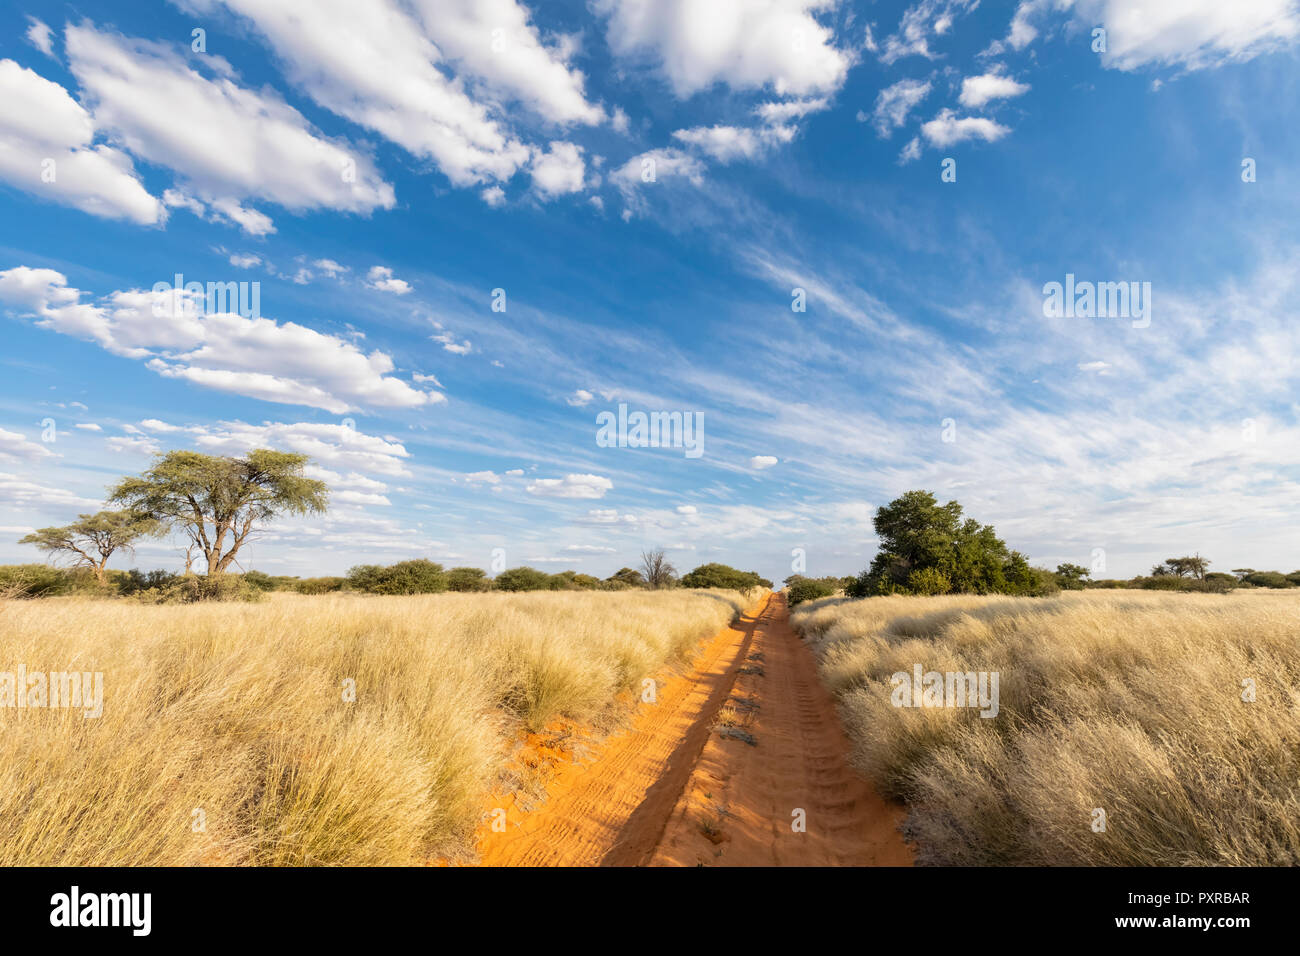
{"type": "Point", "coordinates": [783, 112]}
{"type": "Point", "coordinates": [1093, 366]}
{"type": "Point", "coordinates": [653, 168]}
{"type": "Point", "coordinates": [1190, 33]}
{"type": "Point", "coordinates": [762, 461]}
{"type": "Point", "coordinates": [376, 65]}
{"type": "Point", "coordinates": [15, 447]}
{"type": "Point", "coordinates": [335, 445]}
{"type": "Point", "coordinates": [588, 549]}
{"type": "Point", "coordinates": [257, 357]}
{"type": "Point", "coordinates": [580, 397]}
{"type": "Point", "coordinates": [947, 129]}
{"type": "Point", "coordinates": [46, 150]}
{"type": "Point", "coordinates": [570, 486]}
{"type": "Point", "coordinates": [225, 141]}
{"type": "Point", "coordinates": [911, 151]}
{"type": "Point", "coordinates": [494, 40]}
{"type": "Point", "coordinates": [609, 516]}
{"type": "Point", "coordinates": [132, 445]}
{"type": "Point", "coordinates": [893, 103]}
{"type": "Point", "coordinates": [449, 343]}
{"type": "Point", "coordinates": [745, 45]}
{"type": "Point", "coordinates": [245, 260]}
{"type": "Point", "coordinates": [330, 267]}
{"type": "Point", "coordinates": [978, 90]}
{"type": "Point", "coordinates": [558, 171]}
{"type": "Point", "coordinates": [687, 510]}
{"type": "Point", "coordinates": [726, 143]}
{"type": "Point", "coordinates": [88, 426]}
{"type": "Point", "coordinates": [381, 278]}
{"type": "Point", "coordinates": [40, 36]}
{"type": "Point", "coordinates": [24, 494]}
{"type": "Point", "coordinates": [494, 196]}
{"type": "Point", "coordinates": [515, 472]}
{"type": "Point", "coordinates": [483, 477]}
{"type": "Point", "coordinates": [919, 23]}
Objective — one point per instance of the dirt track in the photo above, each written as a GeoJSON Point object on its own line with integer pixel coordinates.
{"type": "Point", "coordinates": [714, 772]}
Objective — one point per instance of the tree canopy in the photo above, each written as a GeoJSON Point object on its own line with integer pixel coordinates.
{"type": "Point", "coordinates": [92, 539]}
{"type": "Point", "coordinates": [927, 548]}
{"type": "Point", "coordinates": [219, 499]}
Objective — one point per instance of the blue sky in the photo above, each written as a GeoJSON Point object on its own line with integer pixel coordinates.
{"type": "Point", "coordinates": [381, 168]}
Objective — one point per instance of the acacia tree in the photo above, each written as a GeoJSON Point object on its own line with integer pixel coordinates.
{"type": "Point", "coordinates": [214, 500]}
{"type": "Point", "coordinates": [656, 570]}
{"type": "Point", "coordinates": [1195, 566]}
{"type": "Point", "coordinates": [92, 539]}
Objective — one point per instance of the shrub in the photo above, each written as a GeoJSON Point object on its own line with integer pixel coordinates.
{"type": "Point", "coordinates": [522, 579]}
{"type": "Point", "coordinates": [32, 580]}
{"type": "Point", "coordinates": [723, 576]}
{"type": "Point", "coordinates": [319, 585]}
{"type": "Point", "coordinates": [467, 579]}
{"type": "Point", "coordinates": [406, 577]}
{"type": "Point", "coordinates": [800, 588]}
{"type": "Point", "coordinates": [194, 589]}
{"type": "Point", "coordinates": [1268, 579]}
{"type": "Point", "coordinates": [928, 581]}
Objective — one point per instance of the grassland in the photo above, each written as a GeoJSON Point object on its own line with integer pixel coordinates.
{"type": "Point", "coordinates": [225, 737]}
{"type": "Point", "coordinates": [1124, 701]}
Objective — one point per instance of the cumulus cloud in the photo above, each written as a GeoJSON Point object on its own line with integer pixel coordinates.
{"type": "Point", "coordinates": [727, 143]}
{"type": "Point", "coordinates": [580, 397]}
{"type": "Point", "coordinates": [339, 446]}
{"type": "Point", "coordinates": [761, 462]}
{"type": "Point", "coordinates": [227, 143]}
{"type": "Point", "coordinates": [381, 279]}
{"type": "Point", "coordinates": [257, 357]}
{"type": "Point", "coordinates": [15, 447]}
{"type": "Point", "coordinates": [570, 486]}
{"type": "Point", "coordinates": [947, 129]}
{"type": "Point", "coordinates": [379, 66]}
{"type": "Point", "coordinates": [558, 171]}
{"type": "Point", "coordinates": [978, 90]}
{"type": "Point", "coordinates": [24, 494]}
{"type": "Point", "coordinates": [776, 43]}
{"type": "Point", "coordinates": [48, 151]}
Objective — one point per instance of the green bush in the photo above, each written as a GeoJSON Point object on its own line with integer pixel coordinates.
{"type": "Point", "coordinates": [33, 580]}
{"type": "Point", "coordinates": [523, 579]}
{"type": "Point", "coordinates": [420, 576]}
{"type": "Point", "coordinates": [325, 585]}
{"type": "Point", "coordinates": [194, 588]}
{"type": "Point", "coordinates": [800, 588]}
{"type": "Point", "coordinates": [926, 581]}
{"type": "Point", "coordinates": [1268, 579]}
{"type": "Point", "coordinates": [716, 575]}
{"type": "Point", "coordinates": [467, 579]}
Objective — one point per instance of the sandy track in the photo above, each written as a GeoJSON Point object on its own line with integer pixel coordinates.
{"type": "Point", "coordinates": [673, 789]}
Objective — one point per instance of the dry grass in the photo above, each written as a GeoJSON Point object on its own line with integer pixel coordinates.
{"type": "Point", "coordinates": [238, 710]}
{"type": "Point", "coordinates": [1126, 701]}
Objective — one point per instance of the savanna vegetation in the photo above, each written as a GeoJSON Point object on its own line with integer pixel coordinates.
{"type": "Point", "coordinates": [1174, 715]}
{"type": "Point", "coordinates": [336, 729]}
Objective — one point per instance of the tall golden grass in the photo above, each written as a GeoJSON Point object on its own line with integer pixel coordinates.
{"type": "Point", "coordinates": [237, 711]}
{"type": "Point", "coordinates": [1127, 702]}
